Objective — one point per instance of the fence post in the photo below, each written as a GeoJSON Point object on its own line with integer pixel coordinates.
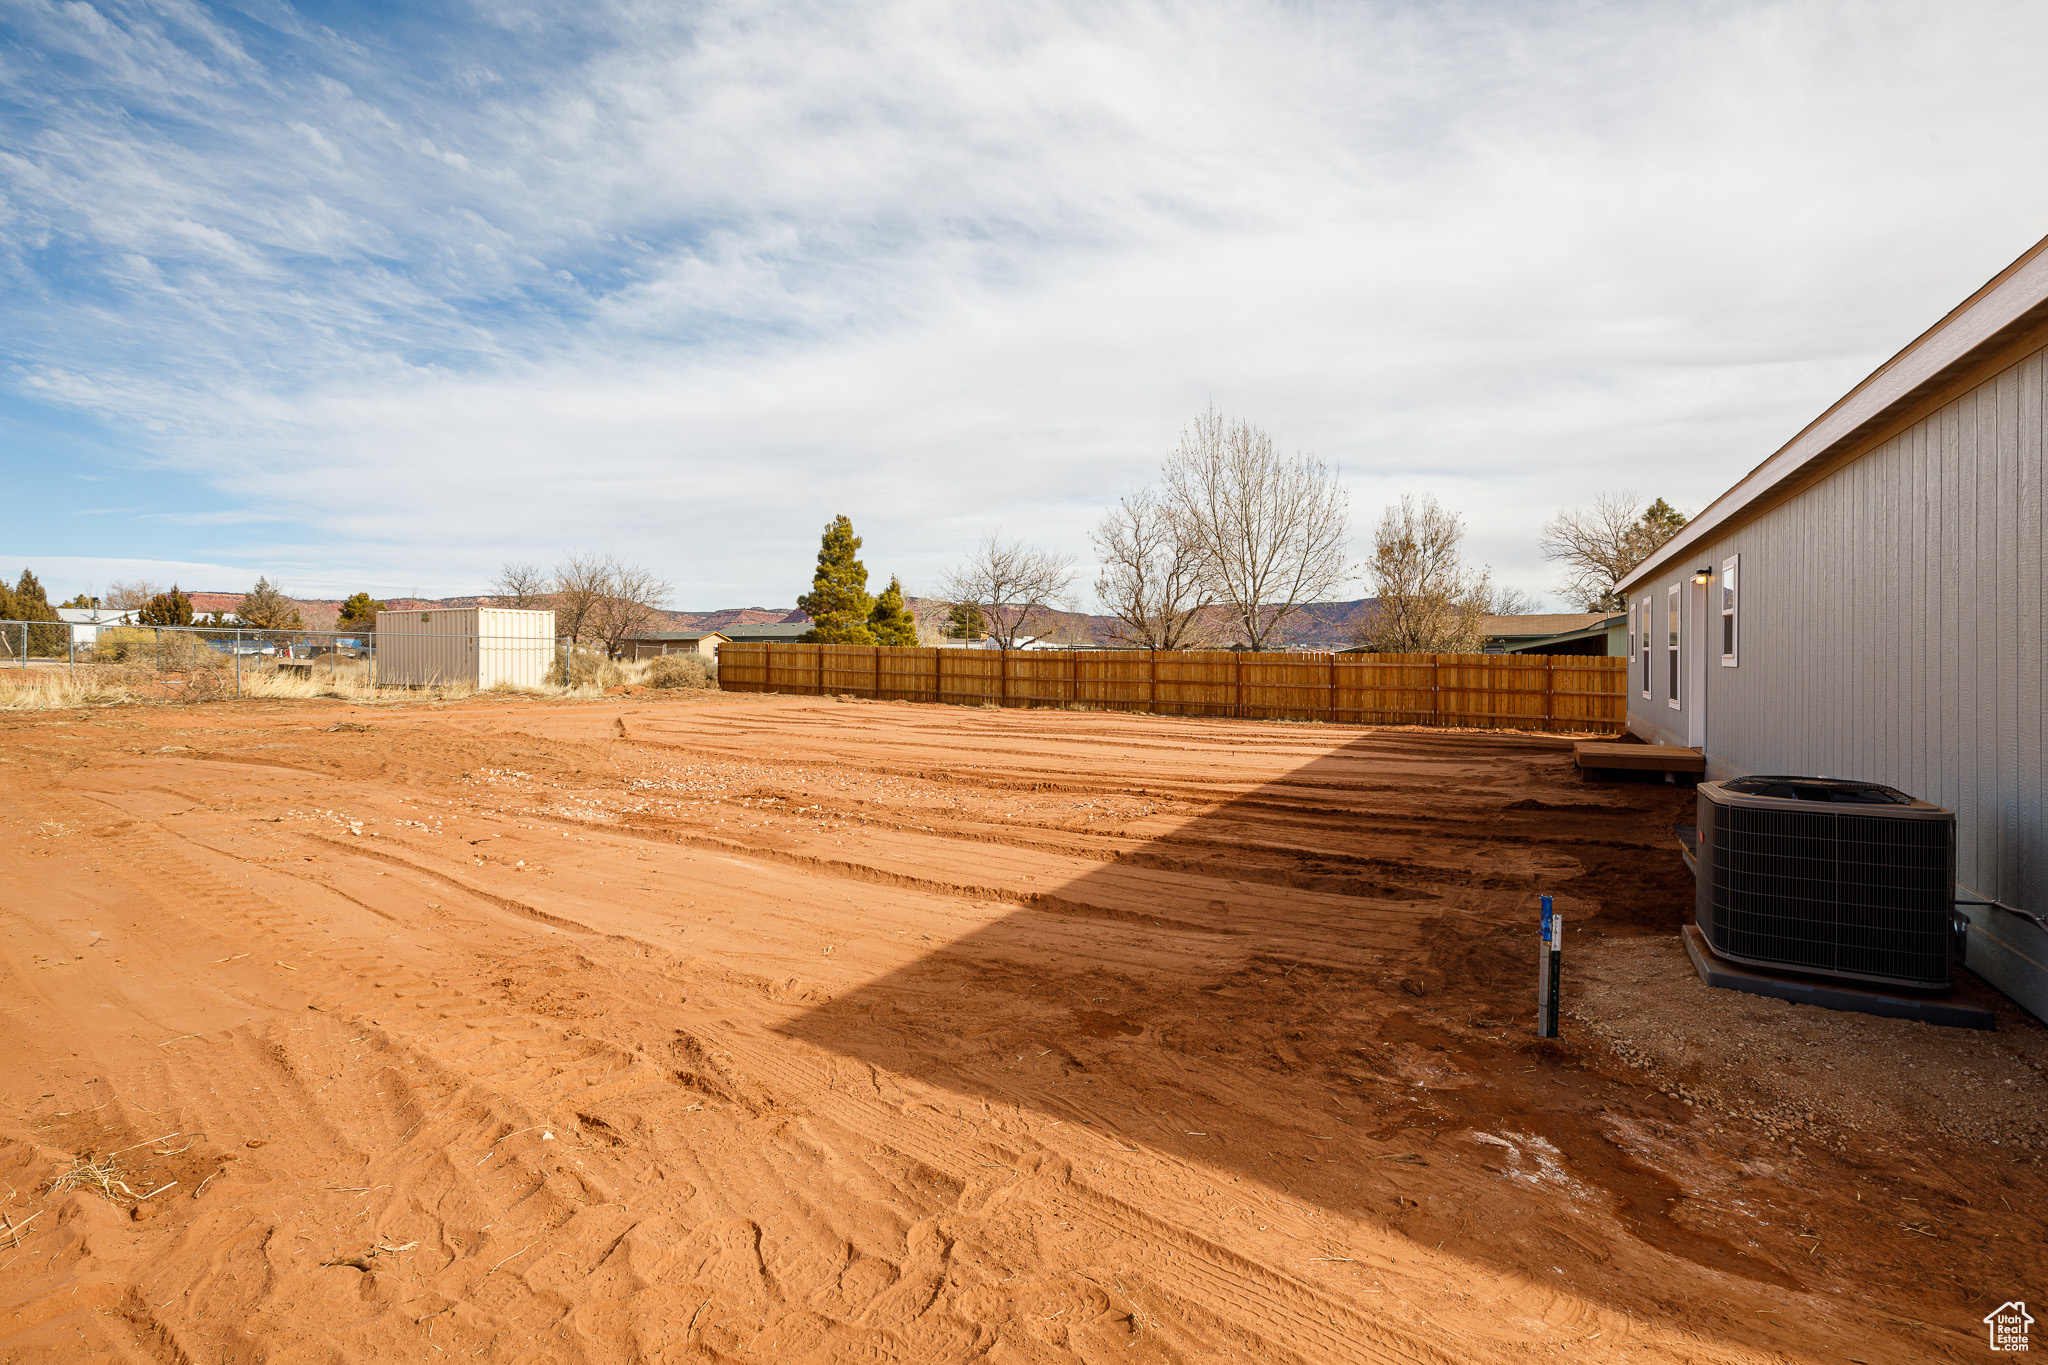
{"type": "Point", "coordinates": [1237, 660]}
{"type": "Point", "coordinates": [1333, 687]}
{"type": "Point", "coordinates": [1003, 673]}
{"type": "Point", "coordinates": [24, 646]}
{"type": "Point", "coordinates": [820, 657]}
{"type": "Point", "coordinates": [238, 665]}
{"type": "Point", "coordinates": [1152, 690]}
{"type": "Point", "coordinates": [1436, 686]}
{"type": "Point", "coordinates": [877, 692]}
{"type": "Point", "coordinates": [938, 674]}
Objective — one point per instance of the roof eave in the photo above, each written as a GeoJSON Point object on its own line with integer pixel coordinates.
{"type": "Point", "coordinates": [2010, 312]}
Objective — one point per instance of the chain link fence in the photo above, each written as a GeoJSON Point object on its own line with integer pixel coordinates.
{"type": "Point", "coordinates": [47, 664]}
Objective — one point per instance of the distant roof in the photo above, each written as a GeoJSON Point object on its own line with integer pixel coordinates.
{"type": "Point", "coordinates": [781, 630]}
{"type": "Point", "coordinates": [1552, 623]}
{"type": "Point", "coordinates": [683, 634]}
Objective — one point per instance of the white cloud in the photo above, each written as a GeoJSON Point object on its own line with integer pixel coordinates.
{"type": "Point", "coordinates": [687, 283]}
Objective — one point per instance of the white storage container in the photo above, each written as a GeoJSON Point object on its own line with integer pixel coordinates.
{"type": "Point", "coordinates": [478, 646]}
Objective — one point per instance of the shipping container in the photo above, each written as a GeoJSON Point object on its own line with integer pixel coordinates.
{"type": "Point", "coordinates": [475, 646]}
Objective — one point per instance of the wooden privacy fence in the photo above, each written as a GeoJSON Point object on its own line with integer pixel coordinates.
{"type": "Point", "coordinates": [1501, 691]}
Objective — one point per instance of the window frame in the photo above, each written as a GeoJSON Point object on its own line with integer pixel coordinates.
{"type": "Point", "coordinates": [1631, 635]}
{"type": "Point", "coordinates": [1674, 624]}
{"type": "Point", "coordinates": [1643, 645]}
{"type": "Point", "coordinates": [1731, 611]}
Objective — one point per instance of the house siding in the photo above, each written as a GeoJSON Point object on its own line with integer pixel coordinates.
{"type": "Point", "coordinates": [1891, 630]}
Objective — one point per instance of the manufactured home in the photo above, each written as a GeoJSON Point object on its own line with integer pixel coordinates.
{"type": "Point", "coordinates": [1867, 603]}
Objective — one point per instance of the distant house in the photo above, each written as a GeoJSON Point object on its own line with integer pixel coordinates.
{"type": "Point", "coordinates": [1579, 632]}
{"type": "Point", "coordinates": [775, 633]}
{"type": "Point", "coordinates": [1868, 603]}
{"type": "Point", "coordinates": [85, 622]}
{"type": "Point", "coordinates": [650, 644]}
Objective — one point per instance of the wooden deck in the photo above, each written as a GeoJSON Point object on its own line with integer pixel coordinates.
{"type": "Point", "coordinates": [1653, 758]}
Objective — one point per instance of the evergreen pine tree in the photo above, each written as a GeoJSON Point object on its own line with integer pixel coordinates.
{"type": "Point", "coordinates": [891, 622]}
{"type": "Point", "coordinates": [1660, 522]}
{"type": "Point", "coordinates": [171, 608]}
{"type": "Point", "coordinates": [359, 612]}
{"type": "Point", "coordinates": [964, 622]}
{"type": "Point", "coordinates": [31, 603]}
{"type": "Point", "coordinates": [838, 602]}
{"type": "Point", "coordinates": [265, 608]}
{"type": "Point", "coordinates": [7, 611]}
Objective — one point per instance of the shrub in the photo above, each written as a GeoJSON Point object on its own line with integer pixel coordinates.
{"type": "Point", "coordinates": [575, 667]}
{"type": "Point", "coordinates": [678, 671]}
{"type": "Point", "coordinates": [177, 651]}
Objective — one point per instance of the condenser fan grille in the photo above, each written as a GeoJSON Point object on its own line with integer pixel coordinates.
{"type": "Point", "coordinates": [1846, 894]}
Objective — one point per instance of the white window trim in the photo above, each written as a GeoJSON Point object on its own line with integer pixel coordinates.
{"type": "Point", "coordinates": [1631, 635]}
{"type": "Point", "coordinates": [1674, 643]}
{"type": "Point", "coordinates": [1731, 610]}
{"type": "Point", "coordinates": [1642, 659]}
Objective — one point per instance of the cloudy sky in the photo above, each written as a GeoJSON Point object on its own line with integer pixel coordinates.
{"type": "Point", "coordinates": [381, 295]}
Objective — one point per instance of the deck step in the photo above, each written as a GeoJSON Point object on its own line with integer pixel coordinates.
{"type": "Point", "coordinates": [1653, 758]}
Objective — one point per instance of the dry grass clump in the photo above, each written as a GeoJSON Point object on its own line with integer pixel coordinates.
{"type": "Point", "coordinates": [102, 1175]}
{"type": "Point", "coordinates": [577, 669]}
{"type": "Point", "coordinates": [347, 679]}
{"type": "Point", "coordinates": [139, 645]}
{"type": "Point", "coordinates": [133, 674]}
{"type": "Point", "coordinates": [678, 671]}
{"type": "Point", "coordinates": [44, 689]}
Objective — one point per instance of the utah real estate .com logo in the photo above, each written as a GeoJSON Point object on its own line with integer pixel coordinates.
{"type": "Point", "coordinates": [2008, 1324]}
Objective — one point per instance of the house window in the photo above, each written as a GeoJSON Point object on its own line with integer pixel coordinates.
{"type": "Point", "coordinates": [1643, 645]}
{"type": "Point", "coordinates": [1631, 635]}
{"type": "Point", "coordinates": [1671, 648]}
{"type": "Point", "coordinates": [1730, 600]}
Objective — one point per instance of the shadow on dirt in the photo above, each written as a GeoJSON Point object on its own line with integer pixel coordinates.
{"type": "Point", "coordinates": [1327, 986]}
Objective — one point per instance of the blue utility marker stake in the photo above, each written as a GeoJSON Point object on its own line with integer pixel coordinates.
{"type": "Point", "coordinates": [1556, 956]}
{"type": "Point", "coordinates": [1543, 973]}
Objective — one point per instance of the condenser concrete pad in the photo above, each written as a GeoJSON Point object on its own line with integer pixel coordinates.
{"type": "Point", "coordinates": [1941, 1008]}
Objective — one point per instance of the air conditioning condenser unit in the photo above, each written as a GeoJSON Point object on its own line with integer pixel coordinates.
{"type": "Point", "coordinates": [1831, 877]}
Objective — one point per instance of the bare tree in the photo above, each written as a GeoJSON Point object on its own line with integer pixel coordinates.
{"type": "Point", "coordinates": [128, 596]}
{"type": "Point", "coordinates": [523, 585]}
{"type": "Point", "coordinates": [931, 616]}
{"type": "Point", "coordinates": [604, 598]}
{"type": "Point", "coordinates": [1269, 532]}
{"type": "Point", "coordinates": [1011, 584]}
{"type": "Point", "coordinates": [1598, 545]}
{"type": "Point", "coordinates": [630, 601]}
{"type": "Point", "coordinates": [1430, 601]}
{"type": "Point", "coordinates": [1502, 600]}
{"type": "Point", "coordinates": [579, 581]}
{"type": "Point", "coordinates": [1151, 577]}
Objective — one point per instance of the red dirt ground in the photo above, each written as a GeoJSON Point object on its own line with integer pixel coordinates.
{"type": "Point", "coordinates": [787, 1029]}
